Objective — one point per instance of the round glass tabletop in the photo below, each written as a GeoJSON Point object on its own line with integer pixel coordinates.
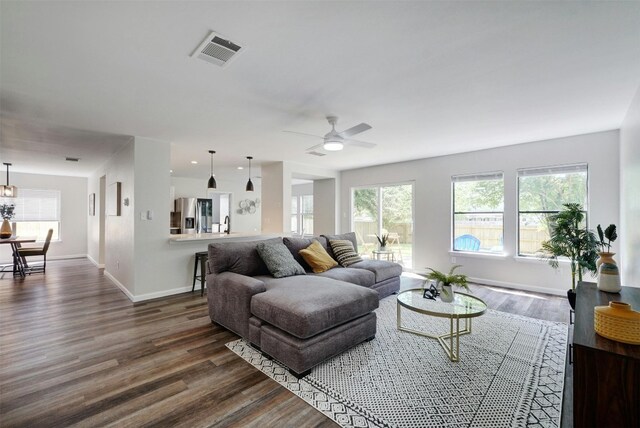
{"type": "Point", "coordinates": [463, 306]}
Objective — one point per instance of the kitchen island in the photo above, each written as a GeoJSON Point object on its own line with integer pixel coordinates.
{"type": "Point", "coordinates": [233, 236]}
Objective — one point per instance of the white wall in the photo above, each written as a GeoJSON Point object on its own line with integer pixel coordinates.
{"type": "Point", "coordinates": [73, 212]}
{"type": "Point", "coordinates": [325, 214]}
{"type": "Point", "coordinates": [277, 191]}
{"type": "Point", "coordinates": [302, 189]}
{"type": "Point", "coordinates": [151, 216]}
{"type": "Point", "coordinates": [630, 194]}
{"type": "Point", "coordinates": [432, 229]}
{"type": "Point", "coordinates": [276, 198]}
{"type": "Point", "coordinates": [119, 257]}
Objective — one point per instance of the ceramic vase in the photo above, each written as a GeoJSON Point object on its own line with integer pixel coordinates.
{"type": "Point", "coordinates": [5, 229]}
{"type": "Point", "coordinates": [604, 256]}
{"type": "Point", "coordinates": [382, 248]}
{"type": "Point", "coordinates": [608, 273]}
{"type": "Point", "coordinates": [446, 294]}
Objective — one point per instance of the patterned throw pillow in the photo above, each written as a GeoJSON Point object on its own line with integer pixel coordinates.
{"type": "Point", "coordinates": [279, 260]}
{"type": "Point", "coordinates": [344, 252]}
{"type": "Point", "coordinates": [317, 257]}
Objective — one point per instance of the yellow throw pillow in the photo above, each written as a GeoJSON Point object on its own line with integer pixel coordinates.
{"type": "Point", "coordinates": [317, 257]}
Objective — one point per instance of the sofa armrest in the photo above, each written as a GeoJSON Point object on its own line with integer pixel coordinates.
{"type": "Point", "coordinates": [229, 296]}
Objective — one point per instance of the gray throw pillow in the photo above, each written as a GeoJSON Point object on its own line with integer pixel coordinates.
{"type": "Point", "coordinates": [279, 259]}
{"type": "Point", "coordinates": [344, 252]}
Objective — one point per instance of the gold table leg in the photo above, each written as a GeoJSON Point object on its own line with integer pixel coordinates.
{"type": "Point", "coordinates": [453, 352]}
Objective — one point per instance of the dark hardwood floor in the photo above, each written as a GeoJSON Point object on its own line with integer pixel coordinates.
{"type": "Point", "coordinates": [75, 351]}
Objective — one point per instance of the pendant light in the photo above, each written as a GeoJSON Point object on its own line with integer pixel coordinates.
{"type": "Point", "coordinates": [249, 187]}
{"type": "Point", "coordinates": [212, 181]}
{"type": "Point", "coordinates": [7, 191]}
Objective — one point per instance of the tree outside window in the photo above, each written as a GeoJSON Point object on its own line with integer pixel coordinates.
{"type": "Point", "coordinates": [541, 193]}
{"type": "Point", "coordinates": [478, 212]}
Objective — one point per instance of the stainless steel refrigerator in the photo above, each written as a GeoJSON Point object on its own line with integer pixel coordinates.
{"type": "Point", "coordinates": [196, 215]}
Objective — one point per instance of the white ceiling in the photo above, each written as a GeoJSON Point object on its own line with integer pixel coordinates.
{"type": "Point", "coordinates": [432, 78]}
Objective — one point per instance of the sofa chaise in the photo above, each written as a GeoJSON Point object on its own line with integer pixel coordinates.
{"type": "Point", "coordinates": [303, 319]}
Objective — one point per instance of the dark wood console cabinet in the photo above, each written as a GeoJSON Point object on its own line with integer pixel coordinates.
{"type": "Point", "coordinates": [606, 373]}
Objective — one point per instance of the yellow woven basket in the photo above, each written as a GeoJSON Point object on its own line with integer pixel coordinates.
{"type": "Point", "coordinates": [617, 322]}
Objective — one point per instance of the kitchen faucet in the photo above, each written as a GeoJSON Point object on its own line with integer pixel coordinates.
{"type": "Point", "coordinates": [227, 221]}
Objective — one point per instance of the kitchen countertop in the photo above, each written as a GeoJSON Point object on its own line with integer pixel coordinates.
{"type": "Point", "coordinates": [236, 236]}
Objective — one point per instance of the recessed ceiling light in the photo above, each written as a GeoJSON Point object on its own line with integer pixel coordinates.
{"type": "Point", "coordinates": [170, 171]}
{"type": "Point", "coordinates": [240, 167]}
{"type": "Point", "coordinates": [194, 162]}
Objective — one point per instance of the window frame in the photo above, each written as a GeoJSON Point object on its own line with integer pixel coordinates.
{"type": "Point", "coordinates": [379, 197]}
{"type": "Point", "coordinates": [567, 167]}
{"type": "Point", "coordinates": [483, 176]}
{"type": "Point", "coordinates": [58, 219]}
{"type": "Point", "coordinates": [300, 214]}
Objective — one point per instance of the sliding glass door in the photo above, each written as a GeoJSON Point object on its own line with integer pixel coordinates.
{"type": "Point", "coordinates": [384, 210]}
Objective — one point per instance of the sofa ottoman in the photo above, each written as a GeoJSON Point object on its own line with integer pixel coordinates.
{"type": "Point", "coordinates": [303, 322]}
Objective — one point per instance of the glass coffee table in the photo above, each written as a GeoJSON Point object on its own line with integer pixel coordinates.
{"type": "Point", "coordinates": [464, 306]}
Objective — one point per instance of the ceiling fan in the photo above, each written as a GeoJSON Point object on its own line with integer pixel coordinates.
{"type": "Point", "coordinates": [335, 141]}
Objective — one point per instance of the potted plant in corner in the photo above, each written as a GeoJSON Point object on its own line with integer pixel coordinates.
{"type": "Point", "coordinates": [6, 211]}
{"type": "Point", "coordinates": [568, 238]}
{"type": "Point", "coordinates": [447, 281]}
{"type": "Point", "coordinates": [382, 240]}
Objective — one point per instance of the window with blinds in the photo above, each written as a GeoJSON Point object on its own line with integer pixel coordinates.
{"type": "Point", "coordinates": [543, 191]}
{"type": "Point", "coordinates": [36, 212]}
{"type": "Point", "coordinates": [478, 212]}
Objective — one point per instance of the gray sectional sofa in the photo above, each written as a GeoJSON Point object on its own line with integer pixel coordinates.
{"type": "Point", "coordinates": [299, 320]}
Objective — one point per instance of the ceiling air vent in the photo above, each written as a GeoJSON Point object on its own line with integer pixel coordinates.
{"type": "Point", "coordinates": [316, 153]}
{"type": "Point", "coordinates": [217, 50]}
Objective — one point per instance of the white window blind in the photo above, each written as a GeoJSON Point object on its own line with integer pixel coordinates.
{"type": "Point", "coordinates": [477, 177]}
{"type": "Point", "coordinates": [37, 205]}
{"type": "Point", "coordinates": [553, 170]}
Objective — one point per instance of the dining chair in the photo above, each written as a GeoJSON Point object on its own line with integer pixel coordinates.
{"type": "Point", "coordinates": [25, 252]}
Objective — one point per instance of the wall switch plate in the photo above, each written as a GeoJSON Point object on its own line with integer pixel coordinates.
{"type": "Point", "coordinates": [142, 215]}
{"type": "Point", "coordinates": [149, 215]}
{"type": "Point", "coordinates": [453, 259]}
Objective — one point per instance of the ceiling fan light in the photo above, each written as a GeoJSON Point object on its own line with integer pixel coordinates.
{"type": "Point", "coordinates": [333, 145]}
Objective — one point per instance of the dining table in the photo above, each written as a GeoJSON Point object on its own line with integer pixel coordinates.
{"type": "Point", "coordinates": [19, 266]}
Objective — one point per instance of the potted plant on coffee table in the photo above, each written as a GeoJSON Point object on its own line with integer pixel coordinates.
{"type": "Point", "coordinates": [447, 281]}
{"type": "Point", "coordinates": [570, 239]}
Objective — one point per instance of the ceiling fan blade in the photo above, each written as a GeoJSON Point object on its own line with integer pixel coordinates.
{"type": "Point", "coordinates": [360, 144]}
{"type": "Point", "coordinates": [302, 133]}
{"type": "Point", "coordinates": [312, 148]}
{"type": "Point", "coordinates": [355, 130]}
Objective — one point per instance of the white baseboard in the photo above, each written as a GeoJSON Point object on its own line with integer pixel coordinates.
{"type": "Point", "coordinates": [68, 256]}
{"type": "Point", "coordinates": [148, 296]}
{"type": "Point", "coordinates": [120, 286]}
{"type": "Point", "coordinates": [163, 293]}
{"type": "Point", "coordinates": [98, 265]}
{"type": "Point", "coordinates": [515, 286]}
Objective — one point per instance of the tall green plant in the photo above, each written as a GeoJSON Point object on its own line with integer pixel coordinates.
{"type": "Point", "coordinates": [570, 239]}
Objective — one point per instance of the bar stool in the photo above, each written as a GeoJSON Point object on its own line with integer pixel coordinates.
{"type": "Point", "coordinates": [201, 259]}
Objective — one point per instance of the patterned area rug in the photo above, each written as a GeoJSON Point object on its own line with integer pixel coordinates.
{"type": "Point", "coordinates": [510, 374]}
